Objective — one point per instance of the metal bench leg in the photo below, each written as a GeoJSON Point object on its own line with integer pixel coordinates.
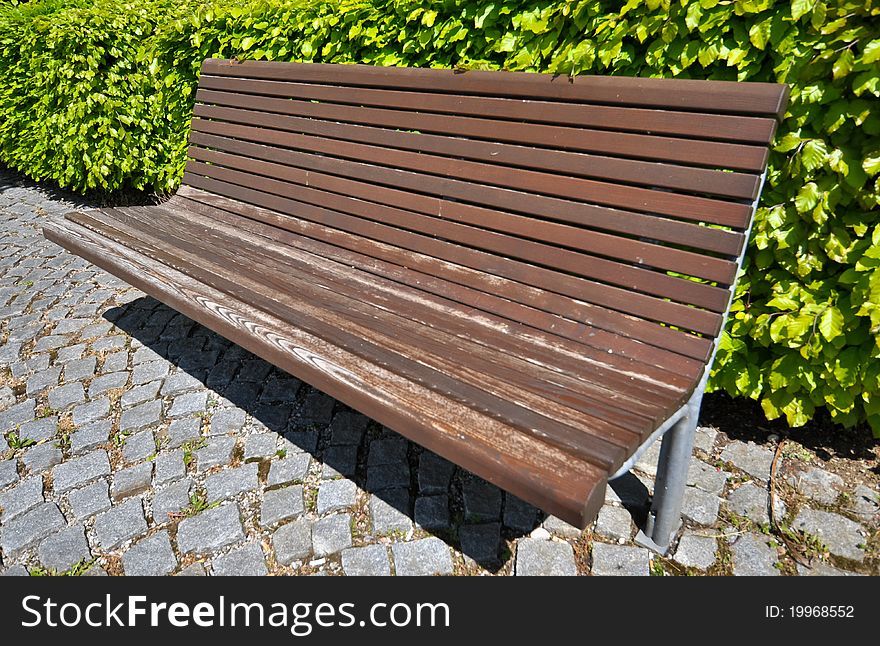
{"type": "Point", "coordinates": [664, 518]}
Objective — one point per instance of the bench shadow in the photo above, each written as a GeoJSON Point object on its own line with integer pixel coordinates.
{"type": "Point", "coordinates": [304, 417]}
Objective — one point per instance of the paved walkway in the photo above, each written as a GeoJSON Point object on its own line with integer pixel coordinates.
{"type": "Point", "coordinates": [135, 441]}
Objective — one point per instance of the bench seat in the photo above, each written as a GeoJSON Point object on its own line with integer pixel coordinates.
{"type": "Point", "coordinates": [531, 333]}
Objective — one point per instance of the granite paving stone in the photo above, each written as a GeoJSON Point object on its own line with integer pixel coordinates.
{"type": "Point", "coordinates": [281, 504]}
{"type": "Point", "coordinates": [29, 528]}
{"type": "Point", "coordinates": [39, 429]}
{"type": "Point", "coordinates": [141, 416]}
{"type": "Point", "coordinates": [168, 467]}
{"type": "Point", "coordinates": [89, 437]}
{"type": "Point", "coordinates": [8, 472]}
{"type": "Point", "coordinates": [120, 523]}
{"type": "Point", "coordinates": [292, 542]}
{"type": "Point", "coordinates": [89, 500]}
{"type": "Point", "coordinates": [544, 558]}
{"type": "Point", "coordinates": [24, 496]}
{"type": "Point", "coordinates": [247, 560]}
{"type": "Point", "coordinates": [696, 550]}
{"type": "Point", "coordinates": [371, 560]}
{"type": "Point", "coordinates": [91, 411]}
{"type": "Point", "coordinates": [389, 512]}
{"type": "Point", "coordinates": [425, 557]}
{"type": "Point", "coordinates": [227, 420]}
{"type": "Point", "coordinates": [218, 450]}
{"type": "Point", "coordinates": [67, 395]}
{"type": "Point", "coordinates": [78, 369]}
{"type": "Point", "coordinates": [181, 431]}
{"type": "Point", "coordinates": [432, 512]}
{"type": "Point", "coordinates": [482, 500]}
{"type": "Point", "coordinates": [480, 542]}
{"type": "Point", "coordinates": [842, 536]}
{"type": "Point", "coordinates": [151, 556]}
{"type": "Point", "coordinates": [751, 458]}
{"type": "Point", "coordinates": [620, 560]}
{"type": "Point", "coordinates": [753, 556]}
{"type": "Point", "coordinates": [699, 506]}
{"type": "Point", "coordinates": [102, 384]}
{"type": "Point", "coordinates": [818, 484]}
{"type": "Point", "coordinates": [334, 495]}
{"type": "Point", "coordinates": [340, 461]}
{"type": "Point", "coordinates": [289, 469]}
{"type": "Point", "coordinates": [171, 499]}
{"type": "Point", "coordinates": [210, 530]}
{"type": "Point", "coordinates": [708, 478]}
{"type": "Point", "coordinates": [614, 523]}
{"type": "Point", "coordinates": [753, 502]}
{"type": "Point", "coordinates": [259, 446]}
{"type": "Point", "coordinates": [64, 549]}
{"type": "Point", "coordinates": [139, 394]}
{"type": "Point", "coordinates": [331, 534]}
{"type": "Point", "coordinates": [139, 446]}
{"type": "Point", "coordinates": [188, 403]}
{"type": "Point", "coordinates": [42, 457]}
{"type": "Point", "coordinates": [231, 482]}
{"type": "Point", "coordinates": [79, 471]}
{"type": "Point", "coordinates": [131, 480]}
{"type": "Point", "coordinates": [347, 428]}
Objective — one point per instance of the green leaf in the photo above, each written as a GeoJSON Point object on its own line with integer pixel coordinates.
{"type": "Point", "coordinates": [759, 34]}
{"type": "Point", "coordinates": [813, 154]}
{"type": "Point", "coordinates": [871, 53]}
{"type": "Point", "coordinates": [844, 64]}
{"type": "Point", "coordinates": [831, 323]}
{"type": "Point", "coordinates": [807, 198]}
{"type": "Point", "coordinates": [800, 8]}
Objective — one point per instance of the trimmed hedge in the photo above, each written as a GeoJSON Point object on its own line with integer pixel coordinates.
{"type": "Point", "coordinates": [109, 108]}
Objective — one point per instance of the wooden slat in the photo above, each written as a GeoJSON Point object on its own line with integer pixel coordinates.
{"type": "Point", "coordinates": [726, 97]}
{"type": "Point", "coordinates": [400, 224]}
{"type": "Point", "coordinates": [614, 247]}
{"type": "Point", "coordinates": [531, 469]}
{"type": "Point", "coordinates": [261, 248]}
{"type": "Point", "coordinates": [602, 294]}
{"type": "Point", "coordinates": [347, 325]}
{"type": "Point", "coordinates": [408, 190]}
{"type": "Point", "coordinates": [428, 326]}
{"type": "Point", "coordinates": [651, 174]}
{"type": "Point", "coordinates": [690, 207]}
{"type": "Point", "coordinates": [756, 130]}
{"type": "Point", "coordinates": [572, 320]}
{"type": "Point", "coordinates": [695, 152]}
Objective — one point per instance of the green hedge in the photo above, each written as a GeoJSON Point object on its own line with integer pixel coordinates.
{"type": "Point", "coordinates": [805, 332]}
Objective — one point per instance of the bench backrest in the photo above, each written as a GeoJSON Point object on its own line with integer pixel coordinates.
{"type": "Point", "coordinates": [613, 193]}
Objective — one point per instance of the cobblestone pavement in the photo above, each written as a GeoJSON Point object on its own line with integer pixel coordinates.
{"type": "Point", "coordinates": [135, 441]}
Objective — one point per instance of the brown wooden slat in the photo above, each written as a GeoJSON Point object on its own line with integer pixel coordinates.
{"type": "Point", "coordinates": [446, 316]}
{"type": "Point", "coordinates": [592, 242]}
{"type": "Point", "coordinates": [695, 152]}
{"type": "Point", "coordinates": [724, 97]}
{"type": "Point", "coordinates": [639, 304]}
{"type": "Point", "coordinates": [396, 222]}
{"type": "Point", "coordinates": [391, 350]}
{"type": "Point", "coordinates": [652, 174]}
{"type": "Point", "coordinates": [533, 470]}
{"type": "Point", "coordinates": [573, 320]}
{"type": "Point", "coordinates": [429, 331]}
{"type": "Point", "coordinates": [756, 130]}
{"type": "Point", "coordinates": [690, 207]}
{"type": "Point", "coordinates": [392, 185]}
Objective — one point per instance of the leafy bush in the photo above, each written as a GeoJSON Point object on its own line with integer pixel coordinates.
{"type": "Point", "coordinates": [75, 105]}
{"type": "Point", "coordinates": [805, 328]}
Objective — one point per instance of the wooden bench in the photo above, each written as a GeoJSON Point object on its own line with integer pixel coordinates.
{"type": "Point", "coordinates": [524, 273]}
